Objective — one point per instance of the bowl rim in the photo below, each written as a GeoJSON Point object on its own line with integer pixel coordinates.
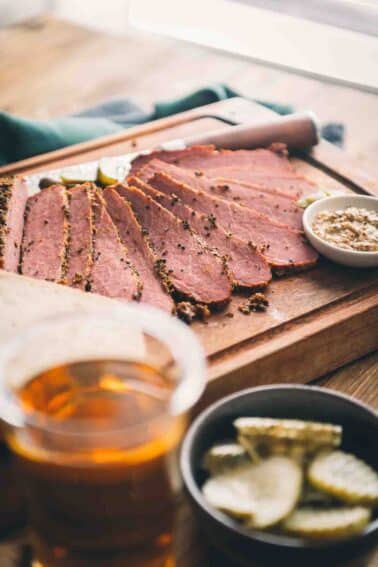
{"type": "Point", "coordinates": [307, 225]}
{"type": "Point", "coordinates": [275, 540]}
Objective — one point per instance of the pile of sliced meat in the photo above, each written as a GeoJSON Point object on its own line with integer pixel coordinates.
{"type": "Point", "coordinates": [185, 229]}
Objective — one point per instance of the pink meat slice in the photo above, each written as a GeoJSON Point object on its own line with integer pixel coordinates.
{"type": "Point", "coordinates": [169, 156]}
{"type": "Point", "coordinates": [140, 254]}
{"type": "Point", "coordinates": [290, 184]}
{"type": "Point", "coordinates": [13, 196]}
{"type": "Point", "coordinates": [281, 246]}
{"type": "Point", "coordinates": [112, 274]}
{"type": "Point", "coordinates": [247, 266]}
{"type": "Point", "coordinates": [277, 206]}
{"type": "Point", "coordinates": [270, 161]}
{"type": "Point", "coordinates": [192, 270]}
{"type": "Point", "coordinates": [273, 160]}
{"type": "Point", "coordinates": [80, 247]}
{"type": "Point", "coordinates": [45, 238]}
{"type": "Point", "coordinates": [195, 178]}
{"type": "Point", "coordinates": [294, 186]}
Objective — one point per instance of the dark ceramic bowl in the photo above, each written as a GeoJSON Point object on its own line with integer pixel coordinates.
{"type": "Point", "coordinates": [247, 547]}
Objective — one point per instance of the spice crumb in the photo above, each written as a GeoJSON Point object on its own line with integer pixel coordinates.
{"type": "Point", "coordinates": [255, 302]}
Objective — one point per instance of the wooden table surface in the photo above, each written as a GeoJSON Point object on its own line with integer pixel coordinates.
{"type": "Point", "coordinates": [50, 67]}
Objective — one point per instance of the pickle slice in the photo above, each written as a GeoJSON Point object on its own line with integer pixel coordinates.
{"type": "Point", "coordinates": [299, 440]}
{"type": "Point", "coordinates": [112, 170]}
{"type": "Point", "coordinates": [327, 523]}
{"type": "Point", "coordinates": [262, 494]}
{"type": "Point", "coordinates": [311, 432]}
{"type": "Point", "coordinates": [224, 456]}
{"type": "Point", "coordinates": [278, 485]}
{"type": "Point", "coordinates": [232, 492]}
{"type": "Point", "coordinates": [344, 476]}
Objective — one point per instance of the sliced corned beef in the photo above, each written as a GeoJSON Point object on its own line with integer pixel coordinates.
{"type": "Point", "coordinates": [139, 251]}
{"type": "Point", "coordinates": [281, 246]}
{"type": "Point", "coordinates": [294, 186]}
{"type": "Point", "coordinates": [112, 273]}
{"type": "Point", "coordinates": [270, 161]}
{"type": "Point", "coordinates": [196, 178]}
{"type": "Point", "coordinates": [169, 156]}
{"type": "Point", "coordinates": [280, 178]}
{"type": "Point", "coordinates": [247, 266]}
{"type": "Point", "coordinates": [182, 261]}
{"type": "Point", "coordinates": [13, 196]}
{"type": "Point", "coordinates": [277, 206]}
{"type": "Point", "coordinates": [80, 247]}
{"type": "Point", "coordinates": [45, 238]}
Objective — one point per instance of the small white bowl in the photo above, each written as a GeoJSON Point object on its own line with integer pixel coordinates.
{"type": "Point", "coordinates": [352, 258]}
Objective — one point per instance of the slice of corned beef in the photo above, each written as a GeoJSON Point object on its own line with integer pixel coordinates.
{"type": "Point", "coordinates": [270, 161]}
{"type": "Point", "coordinates": [281, 246]}
{"type": "Point", "coordinates": [169, 156]}
{"type": "Point", "coordinates": [112, 273]}
{"type": "Point", "coordinates": [195, 178]}
{"type": "Point", "coordinates": [182, 261]}
{"type": "Point", "coordinates": [45, 238]}
{"type": "Point", "coordinates": [247, 266]}
{"type": "Point", "coordinates": [277, 206]}
{"type": "Point", "coordinates": [13, 196]}
{"type": "Point", "coordinates": [294, 186]}
{"type": "Point", "coordinates": [80, 246]}
{"type": "Point", "coordinates": [139, 251]}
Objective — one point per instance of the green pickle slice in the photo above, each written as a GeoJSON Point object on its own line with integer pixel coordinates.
{"type": "Point", "coordinates": [344, 476]}
{"type": "Point", "coordinates": [290, 474]}
{"type": "Point", "coordinates": [262, 494]}
{"type": "Point", "coordinates": [112, 170]}
{"type": "Point", "coordinates": [231, 493]}
{"type": "Point", "coordinates": [224, 456]}
{"type": "Point", "coordinates": [311, 432]}
{"type": "Point", "coordinates": [327, 523]}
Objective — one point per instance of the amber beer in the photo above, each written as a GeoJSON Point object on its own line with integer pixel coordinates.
{"type": "Point", "coordinates": [94, 405]}
{"type": "Point", "coordinates": [98, 464]}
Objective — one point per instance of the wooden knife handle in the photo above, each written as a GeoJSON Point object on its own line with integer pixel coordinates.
{"type": "Point", "coordinates": [297, 131]}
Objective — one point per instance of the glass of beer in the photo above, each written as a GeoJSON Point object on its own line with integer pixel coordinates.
{"type": "Point", "coordinates": [94, 407]}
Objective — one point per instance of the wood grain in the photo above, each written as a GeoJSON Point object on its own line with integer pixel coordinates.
{"type": "Point", "coordinates": [359, 380]}
{"type": "Point", "coordinates": [300, 352]}
{"type": "Point", "coordinates": [332, 160]}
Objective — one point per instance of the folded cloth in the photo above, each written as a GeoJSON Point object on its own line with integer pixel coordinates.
{"type": "Point", "coordinates": [21, 138]}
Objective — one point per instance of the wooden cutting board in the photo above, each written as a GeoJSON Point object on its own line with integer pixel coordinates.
{"type": "Point", "coordinates": [316, 322]}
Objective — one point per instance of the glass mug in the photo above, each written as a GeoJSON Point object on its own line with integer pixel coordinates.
{"type": "Point", "coordinates": [94, 407]}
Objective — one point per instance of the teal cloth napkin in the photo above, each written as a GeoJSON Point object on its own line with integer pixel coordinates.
{"type": "Point", "coordinates": [21, 138]}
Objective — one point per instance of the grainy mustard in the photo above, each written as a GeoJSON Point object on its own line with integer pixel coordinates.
{"type": "Point", "coordinates": [351, 228]}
